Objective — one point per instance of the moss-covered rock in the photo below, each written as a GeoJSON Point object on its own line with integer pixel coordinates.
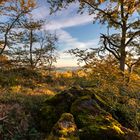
{"type": "Point", "coordinates": [78, 92]}
{"type": "Point", "coordinates": [53, 108]}
{"type": "Point", "coordinates": [91, 114]}
{"type": "Point", "coordinates": [95, 123]}
{"type": "Point", "coordinates": [48, 118]}
{"type": "Point", "coordinates": [64, 129]}
{"type": "Point", "coordinates": [56, 105]}
{"type": "Point", "coordinates": [88, 106]}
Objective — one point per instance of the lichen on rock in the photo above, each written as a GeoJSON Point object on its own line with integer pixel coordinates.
{"type": "Point", "coordinates": [64, 129]}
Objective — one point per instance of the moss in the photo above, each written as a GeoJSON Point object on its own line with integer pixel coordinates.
{"type": "Point", "coordinates": [48, 118]}
{"type": "Point", "coordinates": [125, 115]}
{"type": "Point", "coordinates": [65, 129]}
{"type": "Point", "coordinates": [101, 102]}
{"type": "Point", "coordinates": [118, 129]}
{"type": "Point", "coordinates": [86, 105]}
{"type": "Point", "coordinates": [90, 114]}
{"type": "Point", "coordinates": [100, 127]}
{"type": "Point", "coordinates": [53, 108]}
{"type": "Point", "coordinates": [94, 122]}
{"type": "Point", "coordinates": [79, 92]}
{"type": "Point", "coordinates": [99, 132]}
{"type": "Point", "coordinates": [62, 101]}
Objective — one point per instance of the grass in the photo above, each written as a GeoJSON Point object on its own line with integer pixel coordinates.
{"type": "Point", "coordinates": [22, 92]}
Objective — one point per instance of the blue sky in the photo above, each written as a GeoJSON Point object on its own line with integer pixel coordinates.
{"type": "Point", "coordinates": [73, 30]}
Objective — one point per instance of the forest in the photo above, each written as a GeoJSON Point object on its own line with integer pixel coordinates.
{"type": "Point", "coordinates": [98, 98]}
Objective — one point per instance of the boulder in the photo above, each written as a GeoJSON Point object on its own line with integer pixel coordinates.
{"type": "Point", "coordinates": [91, 115]}
{"type": "Point", "coordinates": [53, 108]}
{"type": "Point", "coordinates": [64, 129]}
{"type": "Point", "coordinates": [95, 123]}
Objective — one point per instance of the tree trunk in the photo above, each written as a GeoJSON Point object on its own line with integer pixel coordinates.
{"type": "Point", "coordinates": [122, 61]}
{"type": "Point", "coordinates": [31, 45]}
{"type": "Point", "coordinates": [123, 38]}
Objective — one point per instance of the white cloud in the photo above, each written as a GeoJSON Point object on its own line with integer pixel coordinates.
{"type": "Point", "coordinates": [66, 60]}
{"type": "Point", "coordinates": [70, 42]}
{"type": "Point", "coordinates": [68, 22]}
{"type": "Point", "coordinates": [61, 20]}
{"type": "Point", "coordinates": [65, 63]}
{"type": "Point", "coordinates": [42, 12]}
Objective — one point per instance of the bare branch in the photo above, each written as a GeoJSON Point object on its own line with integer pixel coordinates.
{"type": "Point", "coordinates": [109, 41]}
{"type": "Point", "coordinates": [109, 49]}
{"type": "Point", "coordinates": [132, 37]}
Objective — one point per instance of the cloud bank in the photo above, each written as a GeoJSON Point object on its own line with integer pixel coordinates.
{"type": "Point", "coordinates": [58, 23]}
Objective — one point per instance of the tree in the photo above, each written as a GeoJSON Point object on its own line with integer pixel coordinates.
{"type": "Point", "coordinates": [30, 37]}
{"type": "Point", "coordinates": [35, 47]}
{"type": "Point", "coordinates": [45, 54]}
{"type": "Point", "coordinates": [83, 56]}
{"type": "Point", "coordinates": [121, 15]}
{"type": "Point", "coordinates": [133, 59]}
{"type": "Point", "coordinates": [49, 55]}
{"type": "Point", "coordinates": [11, 13]}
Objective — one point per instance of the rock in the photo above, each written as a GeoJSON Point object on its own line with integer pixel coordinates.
{"type": "Point", "coordinates": [91, 114]}
{"type": "Point", "coordinates": [48, 118]}
{"type": "Point", "coordinates": [64, 129]}
{"type": "Point", "coordinates": [53, 108]}
{"type": "Point", "coordinates": [78, 92]}
{"type": "Point", "coordinates": [95, 123]}
{"type": "Point", "coordinates": [56, 105]}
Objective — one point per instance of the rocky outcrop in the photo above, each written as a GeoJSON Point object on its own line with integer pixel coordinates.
{"type": "Point", "coordinates": [95, 123]}
{"type": "Point", "coordinates": [90, 112]}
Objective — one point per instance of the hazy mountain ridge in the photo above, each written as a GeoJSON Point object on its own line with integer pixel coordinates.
{"type": "Point", "coordinates": [63, 69]}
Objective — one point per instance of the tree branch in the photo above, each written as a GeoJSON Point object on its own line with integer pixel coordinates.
{"type": "Point", "coordinates": [134, 34]}
{"type": "Point", "coordinates": [109, 49]}
{"type": "Point", "coordinates": [102, 11]}
{"type": "Point", "coordinates": [109, 41]}
{"type": "Point", "coordinates": [7, 31]}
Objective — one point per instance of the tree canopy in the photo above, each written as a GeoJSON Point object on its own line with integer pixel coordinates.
{"type": "Point", "coordinates": [122, 16]}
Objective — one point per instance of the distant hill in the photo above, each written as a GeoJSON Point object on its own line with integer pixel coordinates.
{"type": "Point", "coordinates": [63, 69]}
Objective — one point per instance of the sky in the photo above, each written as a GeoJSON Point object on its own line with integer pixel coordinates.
{"type": "Point", "coordinates": [73, 30]}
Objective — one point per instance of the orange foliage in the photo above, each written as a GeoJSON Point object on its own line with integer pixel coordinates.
{"type": "Point", "coordinates": [26, 4]}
